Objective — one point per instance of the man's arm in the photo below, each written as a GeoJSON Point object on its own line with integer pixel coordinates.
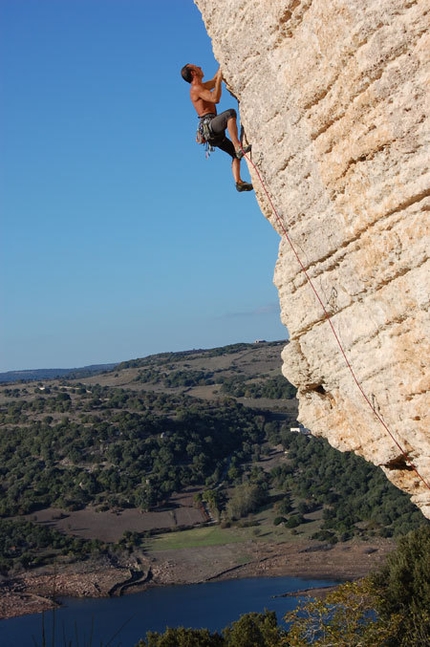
{"type": "Point", "coordinates": [211, 84]}
{"type": "Point", "coordinates": [211, 94]}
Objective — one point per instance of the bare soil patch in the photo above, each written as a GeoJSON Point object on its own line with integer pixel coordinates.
{"type": "Point", "coordinates": [109, 526]}
{"type": "Point", "coordinates": [343, 561]}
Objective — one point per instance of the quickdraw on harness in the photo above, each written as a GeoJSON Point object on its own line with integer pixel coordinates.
{"type": "Point", "coordinates": [204, 134]}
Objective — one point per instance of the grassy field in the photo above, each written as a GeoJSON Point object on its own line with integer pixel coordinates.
{"type": "Point", "coordinates": [262, 530]}
{"type": "Point", "coordinates": [207, 536]}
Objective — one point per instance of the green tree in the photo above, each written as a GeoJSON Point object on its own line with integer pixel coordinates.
{"type": "Point", "coordinates": [404, 586]}
{"type": "Point", "coordinates": [254, 630]}
{"type": "Point", "coordinates": [246, 498]}
{"type": "Point", "coordinates": [347, 617]}
{"type": "Point", "coordinates": [181, 637]}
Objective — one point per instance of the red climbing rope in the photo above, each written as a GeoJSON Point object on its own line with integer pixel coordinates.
{"type": "Point", "coordinates": [327, 315]}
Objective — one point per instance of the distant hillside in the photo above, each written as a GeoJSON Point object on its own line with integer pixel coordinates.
{"type": "Point", "coordinates": [250, 373]}
{"type": "Point", "coordinates": [262, 348]}
{"type": "Point", "coordinates": [133, 435]}
{"type": "Point", "coordinates": [53, 373]}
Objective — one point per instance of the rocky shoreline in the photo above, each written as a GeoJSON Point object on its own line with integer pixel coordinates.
{"type": "Point", "coordinates": [37, 591]}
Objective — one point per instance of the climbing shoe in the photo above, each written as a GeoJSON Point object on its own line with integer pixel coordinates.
{"type": "Point", "coordinates": [240, 152]}
{"type": "Point", "coordinates": [244, 186]}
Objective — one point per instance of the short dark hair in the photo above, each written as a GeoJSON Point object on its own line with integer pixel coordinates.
{"type": "Point", "coordinates": [186, 73]}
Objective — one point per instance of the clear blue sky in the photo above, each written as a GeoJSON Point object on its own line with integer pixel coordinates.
{"type": "Point", "coordinates": [118, 238]}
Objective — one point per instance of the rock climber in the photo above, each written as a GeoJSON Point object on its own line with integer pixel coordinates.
{"type": "Point", "coordinates": [204, 97]}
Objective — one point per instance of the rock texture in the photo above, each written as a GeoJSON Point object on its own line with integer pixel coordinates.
{"type": "Point", "coordinates": [334, 96]}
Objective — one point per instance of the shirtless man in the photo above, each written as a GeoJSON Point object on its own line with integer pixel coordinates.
{"type": "Point", "coordinates": [204, 97]}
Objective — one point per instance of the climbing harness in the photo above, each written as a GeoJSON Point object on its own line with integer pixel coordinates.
{"type": "Point", "coordinates": [328, 318]}
{"type": "Point", "coordinates": [205, 136]}
{"type": "Point", "coordinates": [204, 130]}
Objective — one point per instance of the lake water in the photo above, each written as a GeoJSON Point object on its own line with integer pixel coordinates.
{"type": "Point", "coordinates": [122, 622]}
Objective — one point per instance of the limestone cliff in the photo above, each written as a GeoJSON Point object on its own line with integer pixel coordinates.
{"type": "Point", "coordinates": [334, 96]}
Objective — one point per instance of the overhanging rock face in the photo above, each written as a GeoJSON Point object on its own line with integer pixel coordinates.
{"type": "Point", "coordinates": [334, 97]}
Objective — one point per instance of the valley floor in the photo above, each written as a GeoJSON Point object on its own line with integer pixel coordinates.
{"type": "Point", "coordinates": [35, 591]}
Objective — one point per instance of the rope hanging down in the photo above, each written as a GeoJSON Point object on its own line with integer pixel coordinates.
{"type": "Point", "coordinates": [327, 316]}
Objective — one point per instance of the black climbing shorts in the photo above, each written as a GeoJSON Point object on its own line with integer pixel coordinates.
{"type": "Point", "coordinates": [218, 126]}
{"type": "Point", "coordinates": [219, 123]}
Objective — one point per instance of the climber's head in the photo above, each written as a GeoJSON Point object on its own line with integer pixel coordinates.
{"type": "Point", "coordinates": [186, 73]}
{"type": "Point", "coordinates": [189, 70]}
